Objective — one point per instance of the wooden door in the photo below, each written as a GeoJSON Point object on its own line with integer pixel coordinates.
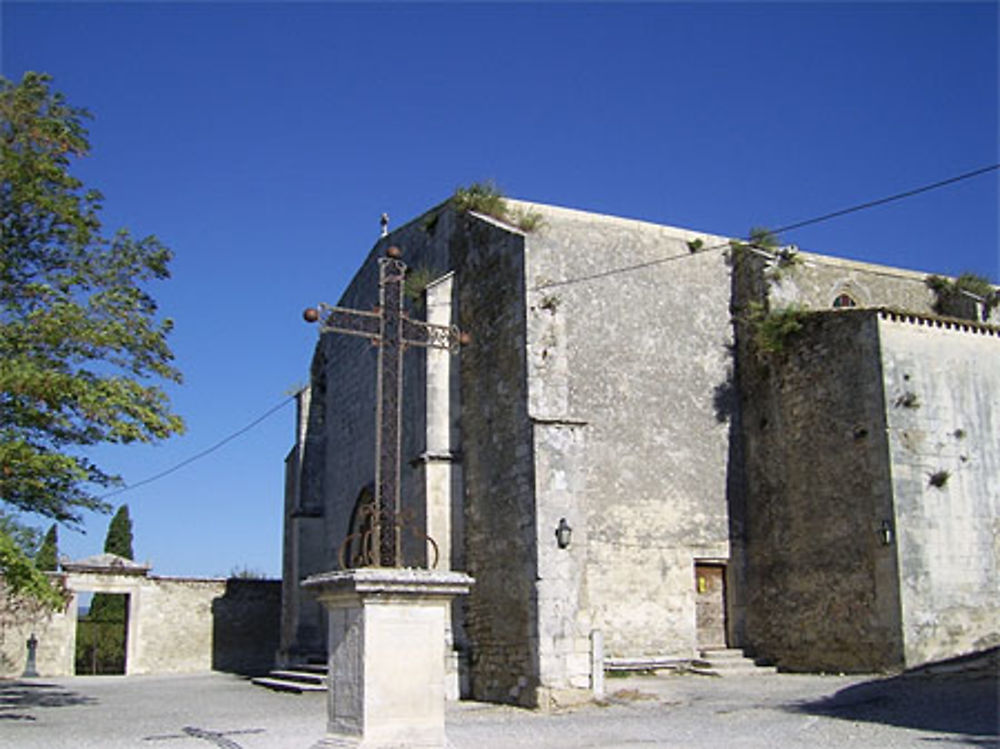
{"type": "Point", "coordinates": [710, 604]}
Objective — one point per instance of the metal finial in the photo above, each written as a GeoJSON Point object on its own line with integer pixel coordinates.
{"type": "Point", "coordinates": [385, 224]}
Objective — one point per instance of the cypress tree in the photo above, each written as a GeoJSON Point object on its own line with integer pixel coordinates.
{"type": "Point", "coordinates": [119, 538]}
{"type": "Point", "coordinates": [110, 607]}
{"type": "Point", "coordinates": [47, 558]}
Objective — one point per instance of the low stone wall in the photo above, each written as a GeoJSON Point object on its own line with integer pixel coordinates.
{"type": "Point", "coordinates": [55, 633]}
{"type": "Point", "coordinates": [176, 625]}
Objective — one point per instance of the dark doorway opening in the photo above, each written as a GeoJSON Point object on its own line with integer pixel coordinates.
{"type": "Point", "coordinates": [102, 635]}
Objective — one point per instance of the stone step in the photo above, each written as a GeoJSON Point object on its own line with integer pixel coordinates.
{"type": "Point", "coordinates": [313, 666]}
{"type": "Point", "coordinates": [723, 663]}
{"type": "Point", "coordinates": [309, 677]}
{"type": "Point", "coordinates": [298, 677]}
{"type": "Point", "coordinates": [728, 662]}
{"type": "Point", "coordinates": [286, 685]}
{"type": "Point", "coordinates": [651, 663]}
{"type": "Point", "coordinates": [716, 653]}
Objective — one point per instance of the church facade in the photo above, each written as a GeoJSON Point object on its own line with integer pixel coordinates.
{"type": "Point", "coordinates": [665, 443]}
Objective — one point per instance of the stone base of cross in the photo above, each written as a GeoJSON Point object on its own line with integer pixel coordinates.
{"type": "Point", "coordinates": [389, 328]}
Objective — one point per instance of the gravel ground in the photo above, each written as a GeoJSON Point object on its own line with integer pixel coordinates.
{"type": "Point", "coordinates": [674, 710]}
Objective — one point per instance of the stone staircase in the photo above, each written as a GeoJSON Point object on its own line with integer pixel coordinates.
{"type": "Point", "coordinates": [300, 677]}
{"type": "Point", "coordinates": [728, 662]}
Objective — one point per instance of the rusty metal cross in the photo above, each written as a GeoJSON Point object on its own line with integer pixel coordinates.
{"type": "Point", "coordinates": [388, 327]}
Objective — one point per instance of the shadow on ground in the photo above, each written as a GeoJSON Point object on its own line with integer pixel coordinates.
{"type": "Point", "coordinates": [19, 698]}
{"type": "Point", "coordinates": [959, 697]}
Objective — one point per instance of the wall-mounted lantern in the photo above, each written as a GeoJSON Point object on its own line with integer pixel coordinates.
{"type": "Point", "coordinates": [563, 533]}
{"type": "Point", "coordinates": [885, 533]}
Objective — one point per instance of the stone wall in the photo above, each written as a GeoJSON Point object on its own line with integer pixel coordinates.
{"type": "Point", "coordinates": [245, 626]}
{"type": "Point", "coordinates": [628, 380]}
{"type": "Point", "coordinates": [175, 625]}
{"type": "Point", "coordinates": [498, 465]}
{"type": "Point", "coordinates": [343, 425]}
{"type": "Point", "coordinates": [821, 587]}
{"type": "Point", "coordinates": [55, 632]}
{"type": "Point", "coordinates": [815, 281]}
{"type": "Point", "coordinates": [803, 391]}
{"type": "Point", "coordinates": [942, 382]}
{"type": "Point", "coordinates": [304, 547]}
{"type": "Point", "coordinates": [493, 533]}
{"type": "Point", "coordinates": [872, 454]}
{"type": "Point", "coordinates": [604, 385]}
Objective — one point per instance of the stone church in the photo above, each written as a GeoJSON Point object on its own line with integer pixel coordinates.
{"type": "Point", "coordinates": [665, 443]}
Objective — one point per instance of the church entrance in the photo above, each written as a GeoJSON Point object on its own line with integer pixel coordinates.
{"type": "Point", "coordinates": [710, 604]}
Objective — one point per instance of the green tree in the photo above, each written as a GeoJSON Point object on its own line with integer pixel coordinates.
{"type": "Point", "coordinates": [119, 538]}
{"type": "Point", "coordinates": [23, 587]}
{"type": "Point", "coordinates": [80, 335]}
{"type": "Point", "coordinates": [110, 607]}
{"type": "Point", "coordinates": [47, 558]}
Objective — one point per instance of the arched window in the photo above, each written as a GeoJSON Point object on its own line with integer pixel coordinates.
{"type": "Point", "coordinates": [844, 300]}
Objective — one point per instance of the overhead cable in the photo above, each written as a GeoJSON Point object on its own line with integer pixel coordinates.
{"type": "Point", "coordinates": [779, 230]}
{"type": "Point", "coordinates": [203, 453]}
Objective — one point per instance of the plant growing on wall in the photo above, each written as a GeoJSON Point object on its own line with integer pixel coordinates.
{"type": "Point", "coordinates": [938, 479]}
{"type": "Point", "coordinates": [760, 240]}
{"type": "Point", "coordinates": [772, 329]}
{"type": "Point", "coordinates": [763, 238]}
{"type": "Point", "coordinates": [785, 259]}
{"type": "Point", "coordinates": [416, 283]}
{"type": "Point", "coordinates": [947, 292]}
{"type": "Point", "coordinates": [430, 222]}
{"type": "Point", "coordinates": [487, 198]}
{"type": "Point", "coordinates": [481, 197]}
{"type": "Point", "coordinates": [245, 572]}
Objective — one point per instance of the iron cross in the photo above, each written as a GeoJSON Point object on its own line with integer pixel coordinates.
{"type": "Point", "coordinates": [389, 328]}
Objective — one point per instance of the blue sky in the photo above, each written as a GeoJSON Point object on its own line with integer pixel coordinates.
{"type": "Point", "coordinates": [262, 141]}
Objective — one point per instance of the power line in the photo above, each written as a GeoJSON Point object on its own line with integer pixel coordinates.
{"type": "Point", "coordinates": [203, 453]}
{"type": "Point", "coordinates": [779, 230]}
{"type": "Point", "coordinates": [581, 279]}
{"type": "Point", "coordinates": [891, 198]}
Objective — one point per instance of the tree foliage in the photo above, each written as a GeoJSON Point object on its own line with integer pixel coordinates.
{"type": "Point", "coordinates": [81, 338]}
{"type": "Point", "coordinates": [110, 607]}
{"type": "Point", "coordinates": [119, 538]}
{"type": "Point", "coordinates": [24, 587]}
{"type": "Point", "coordinates": [47, 558]}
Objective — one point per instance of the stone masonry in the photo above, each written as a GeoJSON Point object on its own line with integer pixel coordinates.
{"type": "Point", "coordinates": [175, 625]}
{"type": "Point", "coordinates": [612, 383]}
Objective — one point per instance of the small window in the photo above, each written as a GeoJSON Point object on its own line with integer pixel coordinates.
{"type": "Point", "coordinates": [844, 300]}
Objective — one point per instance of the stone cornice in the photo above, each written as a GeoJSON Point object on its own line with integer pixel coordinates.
{"type": "Point", "coordinates": [935, 321]}
{"type": "Point", "coordinates": [388, 582]}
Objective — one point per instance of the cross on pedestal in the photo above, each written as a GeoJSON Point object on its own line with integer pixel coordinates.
{"type": "Point", "coordinates": [388, 327]}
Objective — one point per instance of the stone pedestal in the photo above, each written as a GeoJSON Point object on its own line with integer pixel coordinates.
{"type": "Point", "coordinates": [387, 654]}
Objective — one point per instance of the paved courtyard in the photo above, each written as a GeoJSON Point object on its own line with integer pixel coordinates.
{"type": "Point", "coordinates": [221, 710]}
